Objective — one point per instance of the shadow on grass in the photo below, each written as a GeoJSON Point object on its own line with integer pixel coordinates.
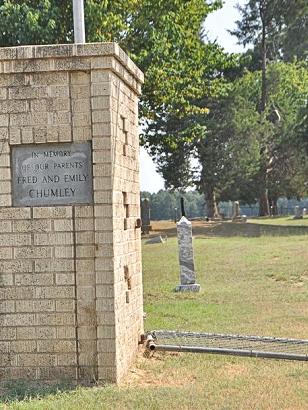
{"type": "Point", "coordinates": [17, 390]}
{"type": "Point", "coordinates": [230, 229]}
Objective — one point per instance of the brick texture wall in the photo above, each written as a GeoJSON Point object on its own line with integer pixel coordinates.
{"type": "Point", "coordinates": [70, 276]}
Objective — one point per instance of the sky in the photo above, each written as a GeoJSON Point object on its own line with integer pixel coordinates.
{"type": "Point", "coordinates": [216, 26]}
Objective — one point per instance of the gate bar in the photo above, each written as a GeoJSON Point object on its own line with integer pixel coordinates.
{"type": "Point", "coordinates": [232, 352]}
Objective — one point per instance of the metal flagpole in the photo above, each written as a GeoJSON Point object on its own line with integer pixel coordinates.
{"type": "Point", "coordinates": [79, 28]}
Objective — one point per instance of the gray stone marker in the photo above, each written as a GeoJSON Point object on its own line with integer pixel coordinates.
{"type": "Point", "coordinates": [145, 216]}
{"type": "Point", "coordinates": [156, 239]}
{"type": "Point", "coordinates": [236, 212]}
{"type": "Point", "coordinates": [298, 213]}
{"type": "Point", "coordinates": [186, 258]}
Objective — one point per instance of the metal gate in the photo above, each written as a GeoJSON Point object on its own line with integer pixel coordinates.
{"type": "Point", "coordinates": [237, 345]}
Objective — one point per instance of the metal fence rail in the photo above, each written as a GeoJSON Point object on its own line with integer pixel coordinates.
{"type": "Point", "coordinates": [237, 345]}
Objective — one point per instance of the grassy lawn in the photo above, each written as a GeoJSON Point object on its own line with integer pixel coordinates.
{"type": "Point", "coordinates": [281, 220]}
{"type": "Point", "coordinates": [249, 285]}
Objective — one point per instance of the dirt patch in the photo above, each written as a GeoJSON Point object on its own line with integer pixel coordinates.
{"type": "Point", "coordinates": [147, 372]}
{"type": "Point", "coordinates": [233, 370]}
{"type": "Point", "coordinates": [227, 229]}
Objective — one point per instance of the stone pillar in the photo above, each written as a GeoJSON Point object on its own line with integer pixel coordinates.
{"type": "Point", "coordinates": [70, 258]}
{"type": "Point", "coordinates": [186, 258]}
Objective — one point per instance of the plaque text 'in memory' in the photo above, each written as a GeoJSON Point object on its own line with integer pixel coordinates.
{"type": "Point", "coordinates": [52, 174]}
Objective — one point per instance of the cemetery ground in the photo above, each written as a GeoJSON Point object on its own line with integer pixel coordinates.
{"type": "Point", "coordinates": [250, 284]}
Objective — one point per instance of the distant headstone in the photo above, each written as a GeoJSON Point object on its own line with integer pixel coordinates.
{"type": "Point", "coordinates": [298, 212]}
{"type": "Point", "coordinates": [304, 211]}
{"type": "Point", "coordinates": [145, 216]}
{"type": "Point", "coordinates": [186, 258]}
{"type": "Point", "coordinates": [156, 239]}
{"type": "Point", "coordinates": [236, 212]}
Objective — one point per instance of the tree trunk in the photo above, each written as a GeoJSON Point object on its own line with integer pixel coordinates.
{"type": "Point", "coordinates": [263, 99]}
{"type": "Point", "coordinates": [211, 204]}
{"type": "Point", "coordinates": [264, 209]}
{"type": "Point", "coordinates": [264, 203]}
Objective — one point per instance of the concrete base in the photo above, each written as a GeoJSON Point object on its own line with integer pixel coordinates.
{"type": "Point", "coordinates": [195, 287]}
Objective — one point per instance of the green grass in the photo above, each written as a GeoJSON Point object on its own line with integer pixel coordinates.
{"type": "Point", "coordinates": [249, 286]}
{"type": "Point", "coordinates": [280, 220]}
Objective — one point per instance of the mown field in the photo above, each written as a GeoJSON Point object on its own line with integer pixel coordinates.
{"type": "Point", "coordinates": [250, 284]}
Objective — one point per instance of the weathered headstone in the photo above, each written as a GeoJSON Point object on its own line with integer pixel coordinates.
{"type": "Point", "coordinates": [156, 239]}
{"type": "Point", "coordinates": [236, 212]}
{"type": "Point", "coordinates": [186, 258]}
{"type": "Point", "coordinates": [298, 212]}
{"type": "Point", "coordinates": [145, 216]}
{"type": "Point", "coordinates": [304, 211]}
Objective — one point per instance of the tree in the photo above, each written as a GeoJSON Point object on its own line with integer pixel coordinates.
{"type": "Point", "coordinates": [294, 33]}
{"type": "Point", "coordinates": [284, 157]}
{"type": "Point", "coordinates": [35, 22]}
{"type": "Point", "coordinates": [270, 26]}
{"type": "Point", "coordinates": [163, 204]}
{"type": "Point", "coordinates": [51, 21]}
{"type": "Point", "coordinates": [186, 141]}
{"type": "Point", "coordinates": [259, 26]}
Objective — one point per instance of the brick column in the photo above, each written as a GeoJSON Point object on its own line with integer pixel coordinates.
{"type": "Point", "coordinates": [70, 275]}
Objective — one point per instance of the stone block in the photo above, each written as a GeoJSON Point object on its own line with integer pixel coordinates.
{"type": "Point", "coordinates": [25, 346]}
{"type": "Point", "coordinates": [27, 135]}
{"type": "Point", "coordinates": [53, 238]}
{"type": "Point", "coordinates": [85, 251]}
{"type": "Point", "coordinates": [32, 252]}
{"type": "Point", "coordinates": [14, 213]}
{"type": "Point", "coordinates": [54, 265]}
{"type": "Point", "coordinates": [84, 224]}
{"type": "Point", "coordinates": [4, 120]}
{"type": "Point", "coordinates": [65, 279]}
{"type": "Point", "coordinates": [63, 225]}
{"type": "Point", "coordinates": [84, 211]}
{"type": "Point", "coordinates": [27, 279]}
{"type": "Point", "coordinates": [65, 305]}
{"type": "Point", "coordinates": [58, 292]}
{"type": "Point", "coordinates": [52, 212]}
{"type": "Point", "coordinates": [85, 278]}
{"type": "Point", "coordinates": [80, 91]}
{"type": "Point", "coordinates": [64, 252]}
{"type": "Point", "coordinates": [15, 266]}
{"type": "Point", "coordinates": [84, 238]}
{"type": "Point", "coordinates": [58, 91]}
{"type": "Point", "coordinates": [65, 332]}
{"type": "Point", "coordinates": [31, 225]}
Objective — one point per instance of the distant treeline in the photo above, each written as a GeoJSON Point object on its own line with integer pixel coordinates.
{"type": "Point", "coordinates": [166, 205]}
{"type": "Point", "coordinates": [163, 204]}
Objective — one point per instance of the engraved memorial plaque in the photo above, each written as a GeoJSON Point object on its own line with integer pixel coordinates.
{"type": "Point", "coordinates": [52, 174]}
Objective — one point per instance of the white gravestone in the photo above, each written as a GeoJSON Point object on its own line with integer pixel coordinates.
{"type": "Point", "coordinates": [298, 213]}
{"type": "Point", "coordinates": [236, 212]}
{"type": "Point", "coordinates": [186, 257]}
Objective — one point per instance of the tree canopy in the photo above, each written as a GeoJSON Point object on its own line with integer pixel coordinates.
{"type": "Point", "coordinates": [233, 126]}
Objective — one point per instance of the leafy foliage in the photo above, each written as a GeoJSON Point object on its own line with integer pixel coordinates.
{"type": "Point", "coordinates": [201, 116]}
{"type": "Point", "coordinates": [286, 27]}
{"type": "Point", "coordinates": [35, 22]}
{"type": "Point", "coordinates": [275, 147]}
